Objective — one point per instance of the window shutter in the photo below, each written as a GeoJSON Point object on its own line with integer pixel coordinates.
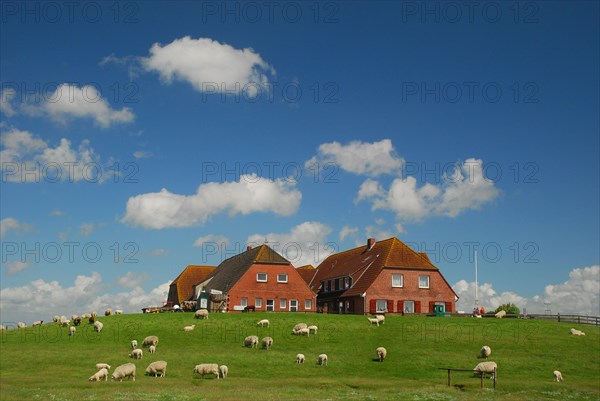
{"type": "Point", "coordinates": [390, 305]}
{"type": "Point", "coordinates": [400, 306]}
{"type": "Point", "coordinates": [431, 306]}
{"type": "Point", "coordinates": [417, 306]}
{"type": "Point", "coordinates": [449, 307]}
{"type": "Point", "coordinates": [373, 305]}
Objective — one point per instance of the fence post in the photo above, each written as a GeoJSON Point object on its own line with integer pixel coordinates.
{"type": "Point", "coordinates": [558, 317]}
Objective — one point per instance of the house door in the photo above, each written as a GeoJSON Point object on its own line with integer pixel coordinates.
{"type": "Point", "coordinates": [293, 305]}
{"type": "Point", "coordinates": [439, 308]}
{"type": "Point", "coordinates": [270, 305]}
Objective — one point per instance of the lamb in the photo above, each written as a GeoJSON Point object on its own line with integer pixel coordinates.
{"type": "Point", "coordinates": [207, 369]}
{"type": "Point", "coordinates": [189, 328]}
{"type": "Point", "coordinates": [137, 354]}
{"type": "Point", "coordinates": [72, 331]}
{"type": "Point", "coordinates": [224, 371]}
{"type": "Point", "coordinates": [557, 376]}
{"type": "Point", "coordinates": [152, 349]}
{"type": "Point", "coordinates": [300, 358]}
{"type": "Point", "coordinates": [485, 352]}
{"type": "Point", "coordinates": [251, 341]}
{"type": "Point", "coordinates": [299, 326]}
{"type": "Point", "coordinates": [322, 359]}
{"type": "Point", "coordinates": [576, 332]}
{"type": "Point", "coordinates": [313, 329]}
{"type": "Point", "coordinates": [98, 326]}
{"type": "Point", "coordinates": [103, 365]}
{"type": "Point", "coordinates": [157, 368]}
{"type": "Point", "coordinates": [108, 312]}
{"type": "Point", "coordinates": [263, 323]}
{"type": "Point", "coordinates": [267, 342]}
{"type": "Point", "coordinates": [303, 332]}
{"type": "Point", "coordinates": [485, 367]}
{"type": "Point", "coordinates": [118, 312]}
{"type": "Point", "coordinates": [381, 353]}
{"type": "Point", "coordinates": [133, 344]}
{"type": "Point", "coordinates": [37, 323]}
{"type": "Point", "coordinates": [201, 314]}
{"type": "Point", "coordinates": [150, 340]}
{"type": "Point", "coordinates": [21, 325]}
{"type": "Point", "coordinates": [499, 315]}
{"type": "Point", "coordinates": [381, 318]}
{"type": "Point", "coordinates": [99, 375]}
{"type": "Point", "coordinates": [123, 371]}
{"type": "Point", "coordinates": [373, 320]}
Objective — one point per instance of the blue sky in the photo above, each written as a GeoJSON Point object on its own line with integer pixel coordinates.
{"type": "Point", "coordinates": [182, 133]}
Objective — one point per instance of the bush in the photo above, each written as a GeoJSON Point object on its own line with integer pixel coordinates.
{"type": "Point", "coordinates": [509, 308]}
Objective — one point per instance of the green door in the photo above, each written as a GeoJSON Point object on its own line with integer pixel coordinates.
{"type": "Point", "coordinates": [439, 310]}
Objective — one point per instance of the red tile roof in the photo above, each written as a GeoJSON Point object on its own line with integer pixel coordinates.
{"type": "Point", "coordinates": [307, 273]}
{"type": "Point", "coordinates": [182, 287]}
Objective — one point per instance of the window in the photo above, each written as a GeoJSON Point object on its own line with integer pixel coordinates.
{"type": "Point", "coordinates": [409, 306]}
{"type": "Point", "coordinates": [423, 281]}
{"type": "Point", "coordinates": [308, 304]}
{"type": "Point", "coordinates": [328, 285]}
{"type": "Point", "coordinates": [258, 302]}
{"type": "Point", "coordinates": [293, 305]}
{"type": "Point", "coordinates": [381, 305]}
{"type": "Point", "coordinates": [397, 280]}
{"type": "Point", "coordinates": [282, 278]}
{"type": "Point", "coordinates": [261, 277]}
{"type": "Point", "coordinates": [270, 305]}
{"type": "Point", "coordinates": [346, 282]}
{"type": "Point", "coordinates": [337, 284]}
{"type": "Point", "coordinates": [244, 302]}
{"type": "Point", "coordinates": [282, 303]}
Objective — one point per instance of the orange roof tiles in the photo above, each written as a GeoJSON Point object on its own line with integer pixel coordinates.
{"type": "Point", "coordinates": [182, 287]}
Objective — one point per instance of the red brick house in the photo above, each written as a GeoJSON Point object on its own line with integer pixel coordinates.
{"type": "Point", "coordinates": [386, 276]}
{"type": "Point", "coordinates": [181, 289]}
{"type": "Point", "coordinates": [258, 279]}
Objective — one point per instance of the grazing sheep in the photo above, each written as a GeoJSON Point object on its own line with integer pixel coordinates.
{"type": "Point", "coordinates": [263, 323]}
{"type": "Point", "coordinates": [2, 328]}
{"type": "Point", "coordinates": [251, 342]}
{"type": "Point", "coordinates": [92, 319]}
{"type": "Point", "coordinates": [485, 352]}
{"type": "Point", "coordinates": [499, 315]}
{"type": "Point", "coordinates": [381, 353]}
{"type": "Point", "coordinates": [322, 359]}
{"type": "Point", "coordinates": [118, 312]}
{"type": "Point", "coordinates": [224, 371]}
{"type": "Point", "coordinates": [381, 318]}
{"type": "Point", "coordinates": [94, 314]}
{"type": "Point", "coordinates": [137, 353]}
{"type": "Point", "coordinates": [65, 323]}
{"type": "Point", "coordinates": [207, 369]}
{"type": "Point", "coordinates": [557, 376]}
{"type": "Point", "coordinates": [299, 326]}
{"type": "Point", "coordinates": [373, 320]}
{"type": "Point", "coordinates": [267, 342]}
{"type": "Point", "coordinates": [152, 349]}
{"type": "Point", "coordinates": [576, 332]}
{"type": "Point", "coordinates": [21, 325]}
{"type": "Point", "coordinates": [99, 375]}
{"type": "Point", "coordinates": [108, 312]}
{"type": "Point", "coordinates": [56, 319]}
{"type": "Point", "coordinates": [103, 365]}
{"type": "Point", "coordinates": [300, 358]}
{"type": "Point", "coordinates": [303, 332]}
{"type": "Point", "coordinates": [313, 329]}
{"type": "Point", "coordinates": [72, 331]}
{"type": "Point", "coordinates": [86, 316]}
{"type": "Point", "coordinates": [150, 340]}
{"type": "Point", "coordinates": [158, 368]}
{"type": "Point", "coordinates": [201, 314]}
{"type": "Point", "coordinates": [74, 317]}
{"type": "Point", "coordinates": [77, 321]}
{"type": "Point", "coordinates": [98, 326]}
{"type": "Point", "coordinates": [189, 328]}
{"type": "Point", "coordinates": [62, 318]}
{"type": "Point", "coordinates": [133, 344]}
{"type": "Point", "coordinates": [485, 367]}
{"type": "Point", "coordinates": [37, 323]}
{"type": "Point", "coordinates": [123, 371]}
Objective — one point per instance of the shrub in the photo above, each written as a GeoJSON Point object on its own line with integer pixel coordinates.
{"type": "Point", "coordinates": [509, 308]}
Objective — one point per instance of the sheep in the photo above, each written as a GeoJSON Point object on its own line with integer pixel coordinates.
{"type": "Point", "coordinates": [108, 312]}
{"type": "Point", "coordinates": [373, 320]}
{"type": "Point", "coordinates": [576, 332]}
{"type": "Point", "coordinates": [56, 319]}
{"type": "Point", "coordinates": [300, 358]}
{"type": "Point", "coordinates": [118, 312]}
{"type": "Point", "coordinates": [72, 331]}
{"type": "Point", "coordinates": [189, 328]}
{"type": "Point", "coordinates": [94, 314]}
{"type": "Point", "coordinates": [133, 344]}
{"type": "Point", "coordinates": [267, 342]}
{"type": "Point", "coordinates": [99, 375]}
{"type": "Point", "coordinates": [150, 340]}
{"type": "Point", "coordinates": [251, 342]}
{"type": "Point", "coordinates": [103, 365]}
{"type": "Point", "coordinates": [21, 325]}
{"type": "Point", "coordinates": [557, 376]}
{"type": "Point", "coordinates": [137, 354]}
{"type": "Point", "coordinates": [224, 371]}
{"type": "Point", "coordinates": [485, 367]}
{"type": "Point", "coordinates": [381, 318]}
{"type": "Point", "coordinates": [65, 323]}
{"type": "Point", "coordinates": [74, 317]}
{"type": "Point", "coordinates": [152, 349]}
{"type": "Point", "coordinates": [313, 329]}
{"type": "Point", "coordinates": [263, 323]}
{"type": "Point", "coordinates": [207, 369]}
{"type": "Point", "coordinates": [499, 315]}
{"type": "Point", "coordinates": [299, 326]}
{"type": "Point", "coordinates": [62, 318]}
{"type": "Point", "coordinates": [37, 323]}
{"type": "Point", "coordinates": [2, 328]}
{"type": "Point", "coordinates": [201, 314]}
{"type": "Point", "coordinates": [98, 326]}
{"type": "Point", "coordinates": [322, 359]}
{"type": "Point", "coordinates": [86, 316]}
{"type": "Point", "coordinates": [123, 371]}
{"type": "Point", "coordinates": [303, 332]}
{"type": "Point", "coordinates": [381, 353]}
{"type": "Point", "coordinates": [77, 321]}
{"type": "Point", "coordinates": [157, 368]}
{"type": "Point", "coordinates": [92, 319]}
{"type": "Point", "coordinates": [485, 352]}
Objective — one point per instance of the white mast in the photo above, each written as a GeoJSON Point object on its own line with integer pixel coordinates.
{"type": "Point", "coordinates": [476, 283]}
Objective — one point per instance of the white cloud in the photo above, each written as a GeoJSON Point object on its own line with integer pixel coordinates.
{"type": "Point", "coordinates": [250, 194]}
{"type": "Point", "coordinates": [157, 252]}
{"type": "Point", "coordinates": [142, 154]}
{"type": "Point", "coordinates": [9, 224]}
{"type": "Point", "coordinates": [57, 213]}
{"type": "Point", "coordinates": [305, 244]}
{"type": "Point", "coordinates": [358, 157]}
{"type": "Point", "coordinates": [70, 101]}
{"type": "Point", "coordinates": [133, 280]}
{"type": "Point", "coordinates": [580, 294]}
{"type": "Point", "coordinates": [467, 189]}
{"type": "Point", "coordinates": [6, 97]}
{"type": "Point", "coordinates": [86, 229]}
{"type": "Point", "coordinates": [348, 231]}
{"type": "Point", "coordinates": [15, 266]}
{"type": "Point", "coordinates": [215, 239]}
{"type": "Point", "coordinates": [202, 62]}
{"type": "Point", "coordinates": [42, 299]}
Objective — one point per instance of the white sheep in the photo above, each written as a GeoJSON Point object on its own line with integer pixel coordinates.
{"type": "Point", "coordinates": [263, 323]}
{"type": "Point", "coordinates": [485, 352]}
{"type": "Point", "coordinates": [150, 340]}
{"type": "Point", "coordinates": [133, 344]}
{"type": "Point", "coordinates": [313, 329]}
{"type": "Point", "coordinates": [576, 332]}
{"type": "Point", "coordinates": [201, 314]}
{"type": "Point", "coordinates": [98, 326]}
{"type": "Point", "coordinates": [557, 376]}
{"type": "Point", "coordinates": [158, 368]}
{"type": "Point", "coordinates": [94, 314]}
{"type": "Point", "coordinates": [152, 349]}
{"type": "Point", "coordinates": [300, 358]}
{"type": "Point", "coordinates": [299, 326]}
{"type": "Point", "coordinates": [485, 367]}
{"type": "Point", "coordinates": [381, 318]}
{"type": "Point", "coordinates": [65, 323]}
{"type": "Point", "coordinates": [303, 332]}
{"type": "Point", "coordinates": [499, 315]}
{"type": "Point", "coordinates": [62, 318]}
{"type": "Point", "coordinates": [56, 319]}
{"type": "Point", "coordinates": [21, 325]}
{"type": "Point", "coordinates": [74, 317]}
{"type": "Point", "coordinates": [37, 323]}
{"type": "Point", "coordinates": [322, 359]}
{"type": "Point", "coordinates": [72, 331]}
{"type": "Point", "coordinates": [103, 365]}
{"type": "Point", "coordinates": [118, 312]}
{"type": "Point", "coordinates": [86, 316]}
{"type": "Point", "coordinates": [373, 320]}
{"type": "Point", "coordinates": [224, 371]}
{"type": "Point", "coordinates": [137, 353]}
{"type": "Point", "coordinates": [251, 341]}
{"type": "Point", "coordinates": [123, 371]}
{"type": "Point", "coordinates": [189, 328]}
{"type": "Point", "coordinates": [108, 312]}
{"type": "Point", "coordinates": [99, 375]}
{"type": "Point", "coordinates": [2, 328]}
{"type": "Point", "coordinates": [381, 353]}
{"type": "Point", "coordinates": [267, 342]}
{"type": "Point", "coordinates": [207, 369]}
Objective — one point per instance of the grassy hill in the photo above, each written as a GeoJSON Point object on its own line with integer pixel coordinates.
{"type": "Point", "coordinates": [44, 363]}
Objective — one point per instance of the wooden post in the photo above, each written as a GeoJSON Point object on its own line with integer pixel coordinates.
{"type": "Point", "coordinates": [481, 379]}
{"type": "Point", "coordinates": [495, 373]}
{"type": "Point", "coordinates": [448, 377]}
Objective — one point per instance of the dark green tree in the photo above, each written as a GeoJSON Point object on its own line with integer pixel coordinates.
{"type": "Point", "coordinates": [509, 308]}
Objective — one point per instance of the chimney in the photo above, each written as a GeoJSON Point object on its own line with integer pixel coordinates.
{"type": "Point", "coordinates": [249, 247]}
{"type": "Point", "coordinates": [370, 243]}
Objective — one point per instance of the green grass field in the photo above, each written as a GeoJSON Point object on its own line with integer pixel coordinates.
{"type": "Point", "coordinates": [44, 363]}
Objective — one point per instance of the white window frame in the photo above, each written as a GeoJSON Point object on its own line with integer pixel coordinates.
{"type": "Point", "coordinates": [282, 303]}
{"type": "Point", "coordinates": [409, 303]}
{"type": "Point", "coordinates": [424, 286]}
{"type": "Point", "coordinates": [296, 307]}
{"type": "Point", "coordinates": [282, 274]}
{"type": "Point", "coordinates": [244, 302]}
{"type": "Point", "coordinates": [258, 303]}
{"type": "Point", "coordinates": [401, 280]}
{"type": "Point", "coordinates": [346, 282]}
{"type": "Point", "coordinates": [262, 281]}
{"type": "Point", "coordinates": [272, 307]}
{"type": "Point", "coordinates": [308, 304]}
{"type": "Point", "coordinates": [381, 302]}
